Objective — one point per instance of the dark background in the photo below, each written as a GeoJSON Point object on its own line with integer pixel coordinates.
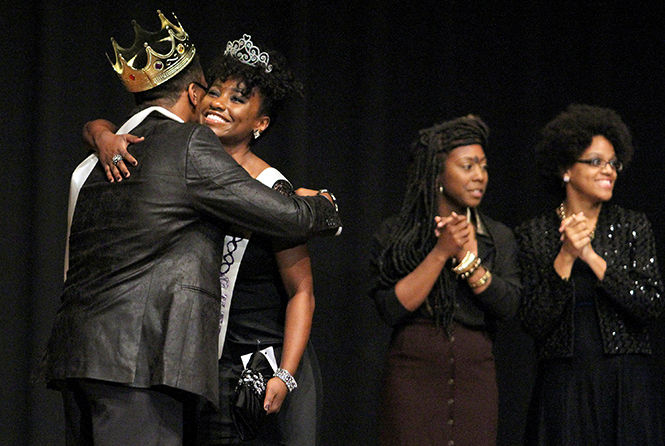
{"type": "Point", "coordinates": [374, 73]}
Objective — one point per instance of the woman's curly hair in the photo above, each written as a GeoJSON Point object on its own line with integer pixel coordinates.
{"type": "Point", "coordinates": [275, 87]}
{"type": "Point", "coordinates": [569, 134]}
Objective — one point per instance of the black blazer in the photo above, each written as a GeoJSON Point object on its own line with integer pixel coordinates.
{"type": "Point", "coordinates": [142, 298]}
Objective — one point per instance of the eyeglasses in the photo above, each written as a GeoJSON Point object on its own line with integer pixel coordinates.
{"type": "Point", "coordinates": [200, 85]}
{"type": "Point", "coordinates": [601, 163]}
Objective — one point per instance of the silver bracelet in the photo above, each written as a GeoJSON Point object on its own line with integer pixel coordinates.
{"type": "Point", "coordinates": [285, 376]}
{"type": "Point", "coordinates": [334, 200]}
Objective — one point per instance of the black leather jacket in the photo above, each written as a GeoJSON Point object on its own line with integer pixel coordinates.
{"type": "Point", "coordinates": [142, 298]}
{"type": "Point", "coordinates": [631, 293]}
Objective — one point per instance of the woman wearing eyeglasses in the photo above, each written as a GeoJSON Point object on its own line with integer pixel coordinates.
{"type": "Point", "coordinates": [591, 287]}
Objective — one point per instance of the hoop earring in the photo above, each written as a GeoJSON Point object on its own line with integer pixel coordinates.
{"type": "Point", "coordinates": [257, 133]}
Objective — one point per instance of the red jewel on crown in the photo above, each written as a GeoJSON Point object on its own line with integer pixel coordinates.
{"type": "Point", "coordinates": [176, 51]}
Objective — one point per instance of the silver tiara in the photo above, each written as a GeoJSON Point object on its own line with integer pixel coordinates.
{"type": "Point", "coordinates": [245, 51]}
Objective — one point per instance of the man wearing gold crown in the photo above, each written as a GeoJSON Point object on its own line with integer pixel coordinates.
{"type": "Point", "coordinates": [134, 344]}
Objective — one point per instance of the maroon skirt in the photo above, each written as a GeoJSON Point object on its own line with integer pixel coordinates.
{"type": "Point", "coordinates": [439, 390]}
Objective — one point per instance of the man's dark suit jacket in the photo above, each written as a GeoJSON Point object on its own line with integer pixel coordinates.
{"type": "Point", "coordinates": [142, 298]}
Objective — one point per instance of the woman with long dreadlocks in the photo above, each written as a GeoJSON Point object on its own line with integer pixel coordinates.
{"type": "Point", "coordinates": [443, 275]}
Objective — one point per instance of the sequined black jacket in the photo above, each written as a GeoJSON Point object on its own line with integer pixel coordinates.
{"type": "Point", "coordinates": [631, 294]}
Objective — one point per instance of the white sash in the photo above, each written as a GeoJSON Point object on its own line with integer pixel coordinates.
{"type": "Point", "coordinates": [234, 249]}
{"type": "Point", "coordinates": [83, 170]}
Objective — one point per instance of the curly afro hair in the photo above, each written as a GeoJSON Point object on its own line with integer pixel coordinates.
{"type": "Point", "coordinates": [274, 87]}
{"type": "Point", "coordinates": [569, 134]}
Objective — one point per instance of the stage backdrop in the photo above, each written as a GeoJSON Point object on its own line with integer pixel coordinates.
{"type": "Point", "coordinates": [374, 73]}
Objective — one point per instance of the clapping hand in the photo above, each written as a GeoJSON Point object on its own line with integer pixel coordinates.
{"type": "Point", "coordinates": [576, 234]}
{"type": "Point", "coordinates": [455, 235]}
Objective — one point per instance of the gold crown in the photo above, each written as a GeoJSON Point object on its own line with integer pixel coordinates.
{"type": "Point", "coordinates": [158, 67]}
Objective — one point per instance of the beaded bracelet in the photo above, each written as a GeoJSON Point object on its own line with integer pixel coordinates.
{"type": "Point", "coordinates": [466, 274]}
{"type": "Point", "coordinates": [285, 376]}
{"type": "Point", "coordinates": [482, 281]}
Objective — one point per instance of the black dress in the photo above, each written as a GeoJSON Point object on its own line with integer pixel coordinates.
{"type": "Point", "coordinates": [599, 392]}
{"type": "Point", "coordinates": [257, 318]}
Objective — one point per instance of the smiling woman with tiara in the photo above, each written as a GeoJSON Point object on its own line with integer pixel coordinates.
{"type": "Point", "coordinates": [267, 285]}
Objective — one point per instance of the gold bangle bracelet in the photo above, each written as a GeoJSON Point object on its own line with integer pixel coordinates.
{"type": "Point", "coordinates": [466, 263]}
{"type": "Point", "coordinates": [482, 281]}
